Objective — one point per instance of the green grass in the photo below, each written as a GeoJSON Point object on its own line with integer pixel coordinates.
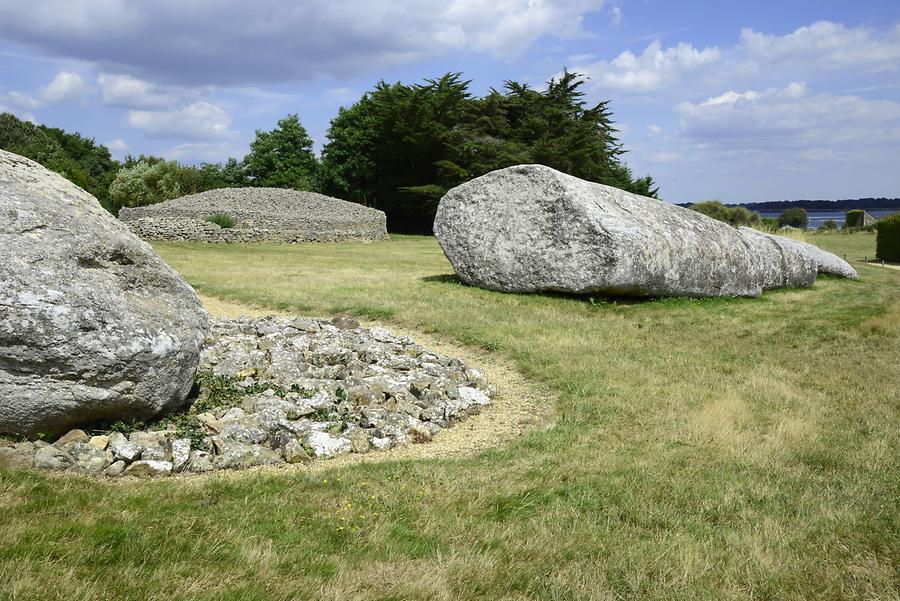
{"type": "Point", "coordinates": [704, 449]}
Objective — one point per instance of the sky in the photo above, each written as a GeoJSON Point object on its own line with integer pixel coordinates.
{"type": "Point", "coordinates": [737, 101]}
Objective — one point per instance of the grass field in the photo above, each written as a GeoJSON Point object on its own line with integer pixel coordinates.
{"type": "Point", "coordinates": [703, 449]}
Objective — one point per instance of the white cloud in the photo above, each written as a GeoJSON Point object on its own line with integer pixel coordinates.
{"type": "Point", "coordinates": [21, 100]}
{"type": "Point", "coordinates": [117, 145]}
{"type": "Point", "coordinates": [654, 129]}
{"type": "Point", "coordinates": [787, 118]}
{"type": "Point", "coordinates": [66, 86]}
{"type": "Point", "coordinates": [663, 157]}
{"type": "Point", "coordinates": [651, 70]}
{"type": "Point", "coordinates": [241, 42]}
{"type": "Point", "coordinates": [131, 92]}
{"type": "Point", "coordinates": [823, 45]}
{"type": "Point", "coordinates": [204, 152]}
{"type": "Point", "coordinates": [197, 121]}
{"type": "Point", "coordinates": [615, 15]}
{"type": "Point", "coordinates": [820, 48]}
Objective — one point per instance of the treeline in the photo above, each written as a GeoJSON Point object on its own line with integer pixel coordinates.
{"type": "Point", "coordinates": [870, 204]}
{"type": "Point", "coordinates": [398, 149]}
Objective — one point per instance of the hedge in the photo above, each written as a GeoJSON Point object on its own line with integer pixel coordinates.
{"type": "Point", "coordinates": [887, 241]}
{"type": "Point", "coordinates": [854, 218]}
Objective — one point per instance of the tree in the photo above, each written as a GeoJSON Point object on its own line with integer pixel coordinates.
{"type": "Point", "coordinates": [216, 175]}
{"type": "Point", "coordinates": [793, 217]}
{"type": "Point", "coordinates": [282, 158]}
{"type": "Point", "coordinates": [145, 183]}
{"type": "Point", "coordinates": [401, 147]}
{"type": "Point", "coordinates": [348, 167]}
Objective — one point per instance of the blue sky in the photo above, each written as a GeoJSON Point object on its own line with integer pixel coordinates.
{"type": "Point", "coordinates": [732, 100]}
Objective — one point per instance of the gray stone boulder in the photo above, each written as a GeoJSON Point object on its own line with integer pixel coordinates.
{"type": "Point", "coordinates": [93, 324]}
{"type": "Point", "coordinates": [531, 228]}
{"type": "Point", "coordinates": [824, 261]}
{"type": "Point", "coordinates": [780, 262]}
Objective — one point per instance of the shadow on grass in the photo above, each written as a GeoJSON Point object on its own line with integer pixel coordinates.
{"type": "Point", "coordinates": [602, 299]}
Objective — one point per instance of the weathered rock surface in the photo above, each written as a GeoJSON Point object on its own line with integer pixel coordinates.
{"type": "Point", "coordinates": [260, 215]}
{"type": "Point", "coordinates": [531, 228]}
{"type": "Point", "coordinates": [778, 261]}
{"type": "Point", "coordinates": [829, 262]}
{"type": "Point", "coordinates": [94, 325]}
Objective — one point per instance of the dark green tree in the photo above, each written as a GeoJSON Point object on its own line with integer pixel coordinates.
{"type": "Point", "coordinates": [793, 217]}
{"type": "Point", "coordinates": [282, 158]}
{"type": "Point", "coordinates": [401, 147]}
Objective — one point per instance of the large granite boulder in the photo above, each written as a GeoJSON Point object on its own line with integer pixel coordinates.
{"type": "Point", "coordinates": [530, 228]}
{"type": "Point", "coordinates": [93, 324]}
{"type": "Point", "coordinates": [824, 261]}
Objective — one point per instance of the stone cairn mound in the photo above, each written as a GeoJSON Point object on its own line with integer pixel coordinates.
{"type": "Point", "coordinates": [260, 215]}
{"type": "Point", "coordinates": [280, 390]}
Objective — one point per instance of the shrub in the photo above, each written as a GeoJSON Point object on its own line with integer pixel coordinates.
{"type": "Point", "coordinates": [887, 241]}
{"type": "Point", "coordinates": [768, 223]}
{"type": "Point", "coordinates": [854, 218]}
{"type": "Point", "coordinates": [145, 183]}
{"type": "Point", "coordinates": [794, 217]}
{"type": "Point", "coordinates": [223, 220]}
{"type": "Point", "coordinates": [735, 216]}
{"type": "Point", "coordinates": [828, 226]}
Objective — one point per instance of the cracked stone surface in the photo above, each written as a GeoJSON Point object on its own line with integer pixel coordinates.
{"type": "Point", "coordinates": [93, 324]}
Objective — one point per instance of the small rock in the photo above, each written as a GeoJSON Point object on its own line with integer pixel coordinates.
{"type": "Point", "coordinates": [100, 442]}
{"type": "Point", "coordinates": [200, 461]}
{"type": "Point", "coordinates": [209, 420]}
{"type": "Point", "coordinates": [382, 444]}
{"type": "Point", "coordinates": [89, 459]}
{"type": "Point", "coordinates": [71, 437]}
{"type": "Point", "coordinates": [124, 449]}
{"type": "Point", "coordinates": [326, 445]}
{"type": "Point", "coordinates": [419, 433]}
{"type": "Point", "coordinates": [146, 469]}
{"type": "Point", "coordinates": [294, 452]}
{"type": "Point", "coordinates": [52, 458]}
{"type": "Point", "coordinates": [181, 453]}
{"type": "Point", "coordinates": [233, 414]}
{"type": "Point", "coordinates": [238, 455]}
{"type": "Point", "coordinates": [359, 440]}
{"type": "Point", "coordinates": [115, 469]}
{"type": "Point", "coordinates": [244, 433]}
{"type": "Point", "coordinates": [473, 396]}
{"type": "Point", "coordinates": [160, 451]}
{"type": "Point", "coordinates": [344, 322]}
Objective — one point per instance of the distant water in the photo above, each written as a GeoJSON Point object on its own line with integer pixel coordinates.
{"type": "Point", "coordinates": [817, 218]}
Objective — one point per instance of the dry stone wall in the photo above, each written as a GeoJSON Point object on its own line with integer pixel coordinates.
{"type": "Point", "coordinates": [260, 215]}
